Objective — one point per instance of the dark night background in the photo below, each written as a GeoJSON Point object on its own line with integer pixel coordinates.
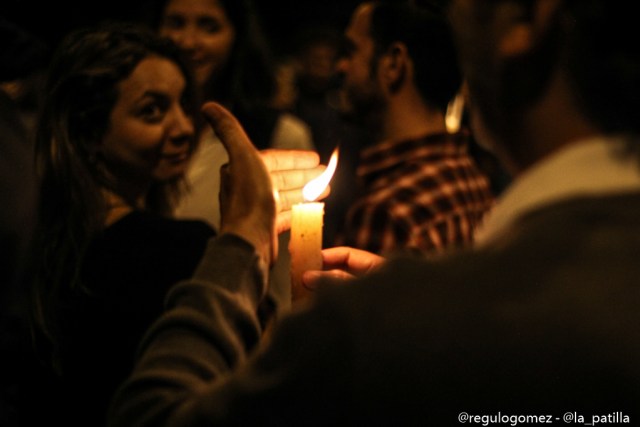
{"type": "Point", "coordinates": [51, 19]}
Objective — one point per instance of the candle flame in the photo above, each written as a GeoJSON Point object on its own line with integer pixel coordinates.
{"type": "Point", "coordinates": [314, 188]}
{"type": "Point", "coordinates": [455, 110]}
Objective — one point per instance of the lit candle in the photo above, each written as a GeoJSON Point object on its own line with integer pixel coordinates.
{"type": "Point", "coordinates": [305, 245]}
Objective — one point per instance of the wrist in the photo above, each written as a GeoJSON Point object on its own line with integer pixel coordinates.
{"type": "Point", "coordinates": [232, 260]}
{"type": "Point", "coordinates": [260, 241]}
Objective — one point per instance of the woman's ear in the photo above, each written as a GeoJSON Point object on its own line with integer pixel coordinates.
{"type": "Point", "coordinates": [526, 25]}
{"type": "Point", "coordinates": [395, 66]}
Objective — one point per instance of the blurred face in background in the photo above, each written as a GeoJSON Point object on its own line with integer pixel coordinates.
{"type": "Point", "coordinates": [202, 29]}
{"type": "Point", "coordinates": [150, 136]}
{"type": "Point", "coordinates": [318, 65]}
{"type": "Point", "coordinates": [361, 89]}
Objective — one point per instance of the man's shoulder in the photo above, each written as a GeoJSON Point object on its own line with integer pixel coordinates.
{"type": "Point", "coordinates": [615, 214]}
{"type": "Point", "coordinates": [579, 235]}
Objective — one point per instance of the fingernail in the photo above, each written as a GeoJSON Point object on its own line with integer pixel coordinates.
{"type": "Point", "coordinates": [310, 278]}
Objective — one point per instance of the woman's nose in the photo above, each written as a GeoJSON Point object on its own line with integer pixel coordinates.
{"type": "Point", "coordinates": [340, 66]}
{"type": "Point", "coordinates": [186, 39]}
{"type": "Point", "coordinates": [182, 126]}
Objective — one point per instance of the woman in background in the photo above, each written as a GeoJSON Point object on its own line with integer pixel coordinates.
{"type": "Point", "coordinates": [231, 62]}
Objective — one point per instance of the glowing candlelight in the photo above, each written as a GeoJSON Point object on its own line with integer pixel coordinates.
{"type": "Point", "coordinates": [305, 245]}
{"type": "Point", "coordinates": [316, 186]}
{"type": "Point", "coordinates": [455, 111]}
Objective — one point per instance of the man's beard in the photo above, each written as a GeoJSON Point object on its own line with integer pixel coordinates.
{"type": "Point", "coordinates": [363, 106]}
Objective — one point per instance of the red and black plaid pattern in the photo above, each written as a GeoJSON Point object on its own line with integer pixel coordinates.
{"type": "Point", "coordinates": [423, 194]}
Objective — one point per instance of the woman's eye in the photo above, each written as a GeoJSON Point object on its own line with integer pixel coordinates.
{"type": "Point", "coordinates": [152, 112]}
{"type": "Point", "coordinates": [209, 25]}
{"type": "Point", "coordinates": [173, 22]}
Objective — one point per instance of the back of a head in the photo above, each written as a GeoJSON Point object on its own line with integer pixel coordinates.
{"type": "Point", "coordinates": [604, 61]}
{"type": "Point", "coordinates": [427, 35]}
{"type": "Point", "coordinates": [594, 43]}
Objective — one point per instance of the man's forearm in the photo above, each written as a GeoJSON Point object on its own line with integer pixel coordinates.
{"type": "Point", "coordinates": [210, 325]}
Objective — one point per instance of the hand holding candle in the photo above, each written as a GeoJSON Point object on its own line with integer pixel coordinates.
{"type": "Point", "coordinates": [305, 245]}
{"type": "Point", "coordinates": [343, 263]}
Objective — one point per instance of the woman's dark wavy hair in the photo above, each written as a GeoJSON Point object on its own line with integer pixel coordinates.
{"type": "Point", "coordinates": [81, 90]}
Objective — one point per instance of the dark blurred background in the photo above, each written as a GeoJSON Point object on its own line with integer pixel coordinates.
{"type": "Point", "coordinates": [51, 19]}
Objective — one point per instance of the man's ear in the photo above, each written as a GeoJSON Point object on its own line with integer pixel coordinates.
{"type": "Point", "coordinates": [395, 66]}
{"type": "Point", "coordinates": [526, 26]}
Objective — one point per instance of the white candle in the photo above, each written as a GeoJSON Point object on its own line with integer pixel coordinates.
{"type": "Point", "coordinates": [305, 245]}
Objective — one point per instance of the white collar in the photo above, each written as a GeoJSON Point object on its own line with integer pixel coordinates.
{"type": "Point", "coordinates": [591, 167]}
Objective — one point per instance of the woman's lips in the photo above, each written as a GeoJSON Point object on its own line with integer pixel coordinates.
{"type": "Point", "coordinates": [176, 157]}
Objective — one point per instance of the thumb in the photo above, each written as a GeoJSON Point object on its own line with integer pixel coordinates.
{"type": "Point", "coordinates": [248, 206]}
{"type": "Point", "coordinates": [230, 132]}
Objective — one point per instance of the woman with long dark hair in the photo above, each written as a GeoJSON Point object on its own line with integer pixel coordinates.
{"type": "Point", "coordinates": [113, 142]}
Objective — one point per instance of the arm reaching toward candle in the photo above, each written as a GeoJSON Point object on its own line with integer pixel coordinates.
{"type": "Point", "coordinates": [343, 263]}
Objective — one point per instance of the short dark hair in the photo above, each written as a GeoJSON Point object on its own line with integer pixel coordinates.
{"type": "Point", "coordinates": [602, 59]}
{"type": "Point", "coordinates": [429, 41]}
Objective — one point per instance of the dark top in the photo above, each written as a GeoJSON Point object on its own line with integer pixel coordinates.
{"type": "Point", "coordinates": [541, 324]}
{"type": "Point", "coordinates": [128, 268]}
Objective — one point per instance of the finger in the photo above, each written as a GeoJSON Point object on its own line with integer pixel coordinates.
{"type": "Point", "coordinates": [230, 132]}
{"type": "Point", "coordinates": [277, 160]}
{"type": "Point", "coordinates": [225, 179]}
{"type": "Point", "coordinates": [291, 197]}
{"type": "Point", "coordinates": [283, 221]}
{"type": "Point", "coordinates": [295, 178]}
{"type": "Point", "coordinates": [310, 279]}
{"type": "Point", "coordinates": [355, 261]}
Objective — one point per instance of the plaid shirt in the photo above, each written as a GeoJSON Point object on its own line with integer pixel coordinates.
{"type": "Point", "coordinates": [425, 194]}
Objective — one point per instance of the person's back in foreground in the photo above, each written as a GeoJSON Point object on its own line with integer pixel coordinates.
{"type": "Point", "coordinates": [540, 320]}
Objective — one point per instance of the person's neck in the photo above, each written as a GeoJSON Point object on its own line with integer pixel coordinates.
{"type": "Point", "coordinates": [409, 117]}
{"type": "Point", "coordinates": [119, 205]}
{"type": "Point", "coordinates": [550, 125]}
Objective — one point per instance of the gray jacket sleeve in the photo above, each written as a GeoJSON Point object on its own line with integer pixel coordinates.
{"type": "Point", "coordinates": [204, 361]}
{"type": "Point", "coordinates": [210, 324]}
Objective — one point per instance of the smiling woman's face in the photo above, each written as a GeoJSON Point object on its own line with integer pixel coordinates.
{"type": "Point", "coordinates": [203, 31]}
{"type": "Point", "coordinates": [150, 135]}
